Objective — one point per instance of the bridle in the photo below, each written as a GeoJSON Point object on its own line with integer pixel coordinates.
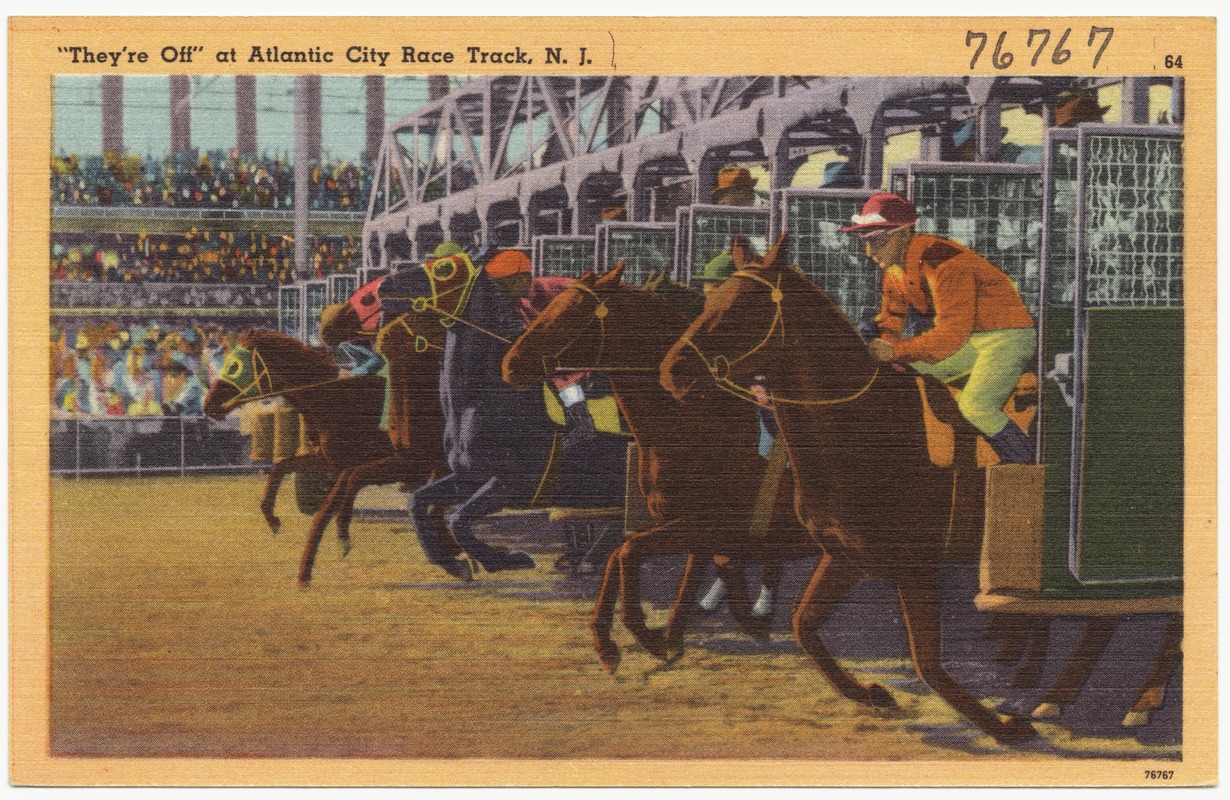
{"type": "Point", "coordinates": [263, 381]}
{"type": "Point", "coordinates": [719, 366]}
{"type": "Point", "coordinates": [435, 279]}
{"type": "Point", "coordinates": [421, 343]}
{"type": "Point", "coordinates": [551, 363]}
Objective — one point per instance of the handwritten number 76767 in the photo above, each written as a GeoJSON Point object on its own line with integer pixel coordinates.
{"type": "Point", "coordinates": [1002, 58]}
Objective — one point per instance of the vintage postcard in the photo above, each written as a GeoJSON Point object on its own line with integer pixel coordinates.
{"type": "Point", "coordinates": [612, 401]}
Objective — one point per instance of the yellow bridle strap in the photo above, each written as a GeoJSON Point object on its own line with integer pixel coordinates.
{"type": "Point", "coordinates": [719, 366]}
{"type": "Point", "coordinates": [264, 372]}
{"type": "Point", "coordinates": [421, 344]}
{"type": "Point", "coordinates": [600, 313]}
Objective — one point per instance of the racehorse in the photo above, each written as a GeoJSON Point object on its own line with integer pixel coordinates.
{"type": "Point", "coordinates": [343, 413]}
{"type": "Point", "coordinates": [866, 488]}
{"type": "Point", "coordinates": [699, 463]}
{"type": "Point", "coordinates": [412, 348]}
{"type": "Point", "coordinates": [497, 441]}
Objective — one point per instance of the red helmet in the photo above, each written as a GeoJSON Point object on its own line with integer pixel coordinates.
{"type": "Point", "coordinates": [366, 302]}
{"type": "Point", "coordinates": [507, 263]}
{"type": "Point", "coordinates": [883, 211]}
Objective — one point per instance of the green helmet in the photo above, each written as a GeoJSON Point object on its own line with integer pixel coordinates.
{"type": "Point", "coordinates": [719, 268]}
{"type": "Point", "coordinates": [446, 249]}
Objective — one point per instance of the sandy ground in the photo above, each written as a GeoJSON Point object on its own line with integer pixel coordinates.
{"type": "Point", "coordinates": [177, 629]}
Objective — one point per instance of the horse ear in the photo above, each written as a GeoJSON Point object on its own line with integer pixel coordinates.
{"type": "Point", "coordinates": [743, 252]}
{"type": "Point", "coordinates": [777, 254]}
{"type": "Point", "coordinates": [587, 277]}
{"type": "Point", "coordinates": [611, 276]}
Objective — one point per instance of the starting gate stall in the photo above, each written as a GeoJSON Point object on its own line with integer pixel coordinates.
{"type": "Point", "coordinates": [995, 209]}
{"type": "Point", "coordinates": [683, 224]}
{"type": "Point", "coordinates": [709, 231]}
{"type": "Point", "coordinates": [564, 256]}
{"type": "Point", "coordinates": [1107, 538]}
{"type": "Point", "coordinates": [315, 298]}
{"type": "Point", "coordinates": [341, 287]}
{"type": "Point", "coordinates": [291, 303]}
{"type": "Point", "coordinates": [833, 260]}
{"type": "Point", "coordinates": [641, 246]}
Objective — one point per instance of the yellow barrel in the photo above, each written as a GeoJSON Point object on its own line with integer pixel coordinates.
{"type": "Point", "coordinates": [285, 433]}
{"type": "Point", "coordinates": [262, 435]}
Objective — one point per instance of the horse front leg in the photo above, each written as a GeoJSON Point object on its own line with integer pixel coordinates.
{"type": "Point", "coordinates": [688, 584]}
{"type": "Point", "coordinates": [672, 537]}
{"type": "Point", "coordinates": [278, 473]}
{"type": "Point", "coordinates": [832, 580]}
{"type": "Point", "coordinates": [1076, 669]}
{"type": "Point", "coordinates": [373, 473]}
{"type": "Point", "coordinates": [319, 523]}
{"type": "Point", "coordinates": [1168, 653]}
{"type": "Point", "coordinates": [603, 617]}
{"type": "Point", "coordinates": [920, 603]}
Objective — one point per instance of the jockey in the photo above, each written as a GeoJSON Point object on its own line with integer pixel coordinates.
{"type": "Point", "coordinates": [982, 329]}
{"type": "Point", "coordinates": [512, 272]}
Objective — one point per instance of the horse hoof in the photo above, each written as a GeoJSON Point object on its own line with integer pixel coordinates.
{"type": "Point", "coordinates": [878, 697]}
{"type": "Point", "coordinates": [654, 642]}
{"type": "Point", "coordinates": [507, 560]}
{"type": "Point", "coordinates": [305, 584]}
{"type": "Point", "coordinates": [459, 568]}
{"type": "Point", "coordinates": [345, 547]}
{"type": "Point", "coordinates": [608, 654]}
{"type": "Point", "coordinates": [674, 652]}
{"type": "Point", "coordinates": [1046, 711]}
{"type": "Point", "coordinates": [1136, 719]}
{"type": "Point", "coordinates": [275, 524]}
{"type": "Point", "coordinates": [1015, 731]}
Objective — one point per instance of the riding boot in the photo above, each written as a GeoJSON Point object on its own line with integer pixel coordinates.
{"type": "Point", "coordinates": [578, 425]}
{"type": "Point", "coordinates": [1013, 445]}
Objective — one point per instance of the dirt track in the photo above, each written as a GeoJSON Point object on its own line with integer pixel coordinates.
{"type": "Point", "coordinates": [178, 630]}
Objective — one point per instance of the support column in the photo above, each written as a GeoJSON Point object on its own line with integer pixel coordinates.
{"type": "Point", "coordinates": [303, 106]}
{"type": "Point", "coordinates": [872, 160]}
{"type": "Point", "coordinates": [181, 113]}
{"type": "Point", "coordinates": [312, 95]}
{"type": "Point", "coordinates": [374, 90]}
{"type": "Point", "coordinates": [113, 114]}
{"type": "Point", "coordinates": [989, 130]}
{"type": "Point", "coordinates": [1135, 101]}
{"type": "Point", "coordinates": [245, 114]}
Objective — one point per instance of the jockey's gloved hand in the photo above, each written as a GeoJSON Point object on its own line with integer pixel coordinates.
{"type": "Point", "coordinates": [578, 423]}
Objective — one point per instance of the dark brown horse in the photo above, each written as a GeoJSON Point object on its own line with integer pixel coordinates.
{"type": "Point", "coordinates": [867, 490]}
{"type": "Point", "coordinates": [344, 413]}
{"type": "Point", "coordinates": [699, 468]}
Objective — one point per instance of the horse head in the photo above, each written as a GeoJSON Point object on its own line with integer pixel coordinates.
{"type": "Point", "coordinates": [357, 318]}
{"type": "Point", "coordinates": [766, 310]}
{"type": "Point", "coordinates": [687, 300]}
{"type": "Point", "coordinates": [263, 364]}
{"type": "Point", "coordinates": [731, 339]}
{"type": "Point", "coordinates": [420, 304]}
{"type": "Point", "coordinates": [569, 333]}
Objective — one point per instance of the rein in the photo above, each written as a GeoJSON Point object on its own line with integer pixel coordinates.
{"type": "Point", "coordinates": [719, 366]}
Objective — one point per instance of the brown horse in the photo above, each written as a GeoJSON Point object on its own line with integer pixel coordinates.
{"type": "Point", "coordinates": [344, 413]}
{"type": "Point", "coordinates": [699, 468]}
{"type": "Point", "coordinates": [867, 490]}
{"type": "Point", "coordinates": [412, 346]}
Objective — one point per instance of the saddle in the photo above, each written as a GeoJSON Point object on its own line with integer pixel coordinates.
{"type": "Point", "coordinates": [943, 422]}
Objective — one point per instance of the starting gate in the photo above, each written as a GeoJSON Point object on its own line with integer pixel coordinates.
{"type": "Point", "coordinates": [565, 256]}
{"type": "Point", "coordinates": [642, 246]}
{"type": "Point", "coordinates": [709, 231]}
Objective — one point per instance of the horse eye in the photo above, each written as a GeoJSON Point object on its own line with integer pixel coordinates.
{"type": "Point", "coordinates": [233, 369]}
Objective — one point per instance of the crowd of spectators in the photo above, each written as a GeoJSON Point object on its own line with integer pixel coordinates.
{"type": "Point", "coordinates": [194, 256]}
{"type": "Point", "coordinates": [104, 370]}
{"type": "Point", "coordinates": [214, 179]}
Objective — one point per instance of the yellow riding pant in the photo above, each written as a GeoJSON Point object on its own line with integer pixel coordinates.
{"type": "Point", "coordinates": [993, 360]}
